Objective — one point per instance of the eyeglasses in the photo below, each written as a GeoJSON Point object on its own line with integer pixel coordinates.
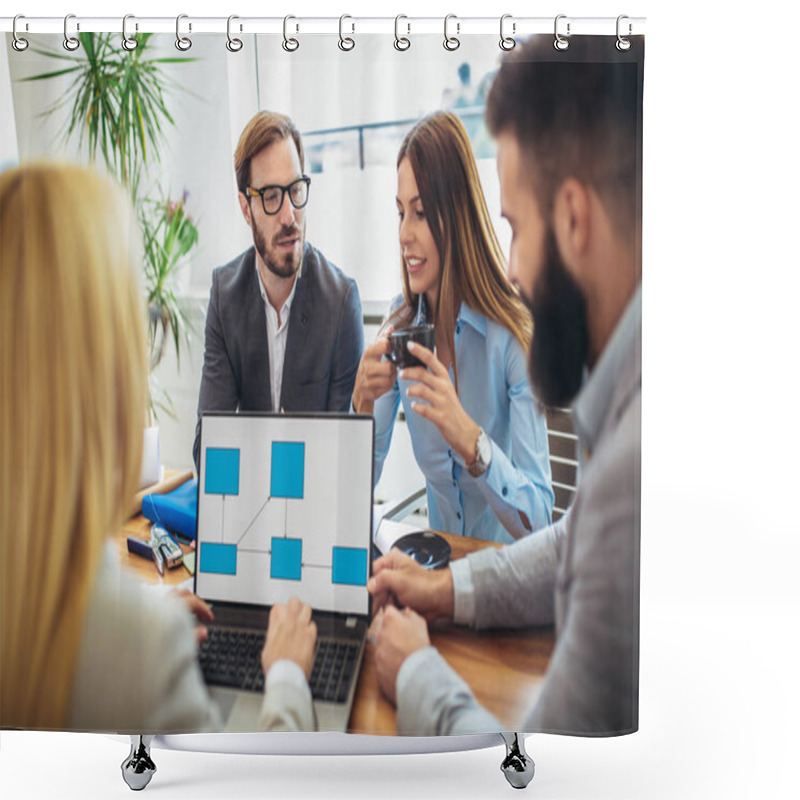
{"type": "Point", "coordinates": [272, 196]}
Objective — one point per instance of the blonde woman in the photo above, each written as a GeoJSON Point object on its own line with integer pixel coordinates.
{"type": "Point", "coordinates": [476, 432]}
{"type": "Point", "coordinates": [82, 646]}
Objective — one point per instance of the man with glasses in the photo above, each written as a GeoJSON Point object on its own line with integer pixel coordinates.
{"type": "Point", "coordinates": [284, 329]}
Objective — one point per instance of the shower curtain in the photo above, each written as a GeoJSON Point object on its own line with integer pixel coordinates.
{"type": "Point", "coordinates": [542, 629]}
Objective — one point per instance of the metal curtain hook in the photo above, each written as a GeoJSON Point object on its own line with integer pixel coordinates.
{"type": "Point", "coordinates": [507, 42]}
{"type": "Point", "coordinates": [346, 42]}
{"type": "Point", "coordinates": [183, 43]}
{"type": "Point", "coordinates": [401, 42]}
{"type": "Point", "coordinates": [623, 44]}
{"type": "Point", "coordinates": [289, 44]}
{"type": "Point", "coordinates": [233, 44]}
{"type": "Point", "coordinates": [70, 42]}
{"type": "Point", "coordinates": [128, 42]}
{"type": "Point", "coordinates": [561, 43]}
{"type": "Point", "coordinates": [451, 42]}
{"type": "Point", "coordinates": [18, 43]}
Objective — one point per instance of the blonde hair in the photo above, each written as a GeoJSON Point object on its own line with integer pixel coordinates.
{"type": "Point", "coordinates": [473, 265]}
{"type": "Point", "coordinates": [72, 406]}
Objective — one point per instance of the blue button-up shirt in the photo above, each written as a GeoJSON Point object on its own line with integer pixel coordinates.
{"type": "Point", "coordinates": [514, 496]}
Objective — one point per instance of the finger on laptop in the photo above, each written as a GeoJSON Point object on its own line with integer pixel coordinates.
{"type": "Point", "coordinates": [196, 605]}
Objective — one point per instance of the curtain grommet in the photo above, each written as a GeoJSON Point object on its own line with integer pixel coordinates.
{"type": "Point", "coordinates": [623, 44]}
{"type": "Point", "coordinates": [507, 42]}
{"type": "Point", "coordinates": [233, 44]}
{"type": "Point", "coordinates": [182, 43]}
{"type": "Point", "coordinates": [289, 44]}
{"type": "Point", "coordinates": [451, 43]}
{"type": "Point", "coordinates": [561, 43]}
{"type": "Point", "coordinates": [401, 43]}
{"type": "Point", "coordinates": [129, 43]}
{"type": "Point", "coordinates": [18, 42]}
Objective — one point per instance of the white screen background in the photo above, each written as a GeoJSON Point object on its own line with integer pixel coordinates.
{"type": "Point", "coordinates": [335, 509]}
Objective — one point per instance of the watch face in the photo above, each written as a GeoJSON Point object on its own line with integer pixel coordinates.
{"type": "Point", "coordinates": [484, 447]}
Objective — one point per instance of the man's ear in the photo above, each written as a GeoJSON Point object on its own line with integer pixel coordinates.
{"type": "Point", "coordinates": [245, 206]}
{"type": "Point", "coordinates": [572, 223]}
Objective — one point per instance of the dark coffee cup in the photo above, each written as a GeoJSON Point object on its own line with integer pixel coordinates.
{"type": "Point", "coordinates": [398, 341]}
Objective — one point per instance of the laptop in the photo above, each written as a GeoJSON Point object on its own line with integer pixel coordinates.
{"type": "Point", "coordinates": [284, 509]}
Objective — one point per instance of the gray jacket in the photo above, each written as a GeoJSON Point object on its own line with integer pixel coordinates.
{"type": "Point", "coordinates": [323, 348]}
{"type": "Point", "coordinates": [137, 668]}
{"type": "Point", "coordinates": [582, 572]}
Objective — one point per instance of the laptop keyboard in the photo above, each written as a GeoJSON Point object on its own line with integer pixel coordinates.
{"type": "Point", "coordinates": [233, 658]}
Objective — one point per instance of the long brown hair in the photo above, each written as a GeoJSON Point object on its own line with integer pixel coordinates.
{"type": "Point", "coordinates": [73, 376]}
{"type": "Point", "coordinates": [473, 265]}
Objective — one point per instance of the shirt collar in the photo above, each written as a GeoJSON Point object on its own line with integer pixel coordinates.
{"type": "Point", "coordinates": [287, 306]}
{"type": "Point", "coordinates": [594, 401]}
{"type": "Point", "coordinates": [472, 318]}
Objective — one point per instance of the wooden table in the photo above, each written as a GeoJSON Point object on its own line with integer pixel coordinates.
{"type": "Point", "coordinates": [503, 668]}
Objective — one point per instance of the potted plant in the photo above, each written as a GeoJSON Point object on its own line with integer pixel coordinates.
{"type": "Point", "coordinates": [169, 234]}
{"type": "Point", "coordinates": [116, 108]}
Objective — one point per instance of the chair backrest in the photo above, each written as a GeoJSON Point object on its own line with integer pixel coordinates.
{"type": "Point", "coordinates": [563, 444]}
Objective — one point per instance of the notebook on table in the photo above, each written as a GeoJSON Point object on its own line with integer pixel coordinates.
{"type": "Point", "coordinates": [284, 509]}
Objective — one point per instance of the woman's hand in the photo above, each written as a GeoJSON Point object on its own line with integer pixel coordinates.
{"type": "Point", "coordinates": [375, 375]}
{"type": "Point", "coordinates": [291, 634]}
{"type": "Point", "coordinates": [442, 406]}
{"type": "Point", "coordinates": [199, 609]}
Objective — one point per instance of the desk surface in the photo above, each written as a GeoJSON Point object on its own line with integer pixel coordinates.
{"type": "Point", "coordinates": [503, 668]}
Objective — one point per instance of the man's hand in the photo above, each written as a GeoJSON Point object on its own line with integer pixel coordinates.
{"type": "Point", "coordinates": [375, 375]}
{"type": "Point", "coordinates": [291, 634]}
{"type": "Point", "coordinates": [401, 634]}
{"type": "Point", "coordinates": [199, 609]}
{"type": "Point", "coordinates": [398, 579]}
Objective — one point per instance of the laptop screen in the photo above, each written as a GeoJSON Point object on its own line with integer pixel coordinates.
{"type": "Point", "coordinates": [284, 510]}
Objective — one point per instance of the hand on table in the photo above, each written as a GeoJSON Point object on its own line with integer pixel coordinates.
{"type": "Point", "coordinates": [442, 407]}
{"type": "Point", "coordinates": [399, 634]}
{"type": "Point", "coordinates": [199, 609]}
{"type": "Point", "coordinates": [291, 634]}
{"type": "Point", "coordinates": [375, 375]}
{"type": "Point", "coordinates": [398, 579]}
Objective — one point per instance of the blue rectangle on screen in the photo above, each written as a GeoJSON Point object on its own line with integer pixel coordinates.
{"type": "Point", "coordinates": [350, 566]}
{"type": "Point", "coordinates": [219, 559]}
{"type": "Point", "coordinates": [288, 470]}
{"type": "Point", "coordinates": [287, 559]}
{"type": "Point", "coordinates": [222, 470]}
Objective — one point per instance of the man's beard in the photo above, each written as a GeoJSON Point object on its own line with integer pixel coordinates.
{"type": "Point", "coordinates": [283, 266]}
{"type": "Point", "coordinates": [560, 346]}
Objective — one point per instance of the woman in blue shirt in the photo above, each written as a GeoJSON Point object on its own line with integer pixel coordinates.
{"type": "Point", "coordinates": [476, 432]}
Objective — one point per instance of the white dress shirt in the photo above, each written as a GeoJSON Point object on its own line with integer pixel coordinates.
{"type": "Point", "coordinates": [276, 340]}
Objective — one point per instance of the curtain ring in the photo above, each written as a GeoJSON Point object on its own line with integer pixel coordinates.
{"type": "Point", "coordinates": [233, 44]}
{"type": "Point", "coordinates": [401, 43]}
{"type": "Point", "coordinates": [507, 42]}
{"type": "Point", "coordinates": [128, 42]}
{"type": "Point", "coordinates": [451, 42]}
{"type": "Point", "coordinates": [623, 44]}
{"type": "Point", "coordinates": [289, 44]}
{"type": "Point", "coordinates": [18, 43]}
{"type": "Point", "coordinates": [561, 43]}
{"type": "Point", "coordinates": [183, 43]}
{"type": "Point", "coordinates": [346, 43]}
{"type": "Point", "coordinates": [70, 42]}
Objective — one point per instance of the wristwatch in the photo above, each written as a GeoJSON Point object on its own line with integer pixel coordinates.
{"type": "Point", "coordinates": [484, 458]}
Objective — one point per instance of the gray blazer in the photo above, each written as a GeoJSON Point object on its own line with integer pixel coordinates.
{"type": "Point", "coordinates": [323, 347]}
{"type": "Point", "coordinates": [137, 668]}
{"type": "Point", "coordinates": [582, 572]}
